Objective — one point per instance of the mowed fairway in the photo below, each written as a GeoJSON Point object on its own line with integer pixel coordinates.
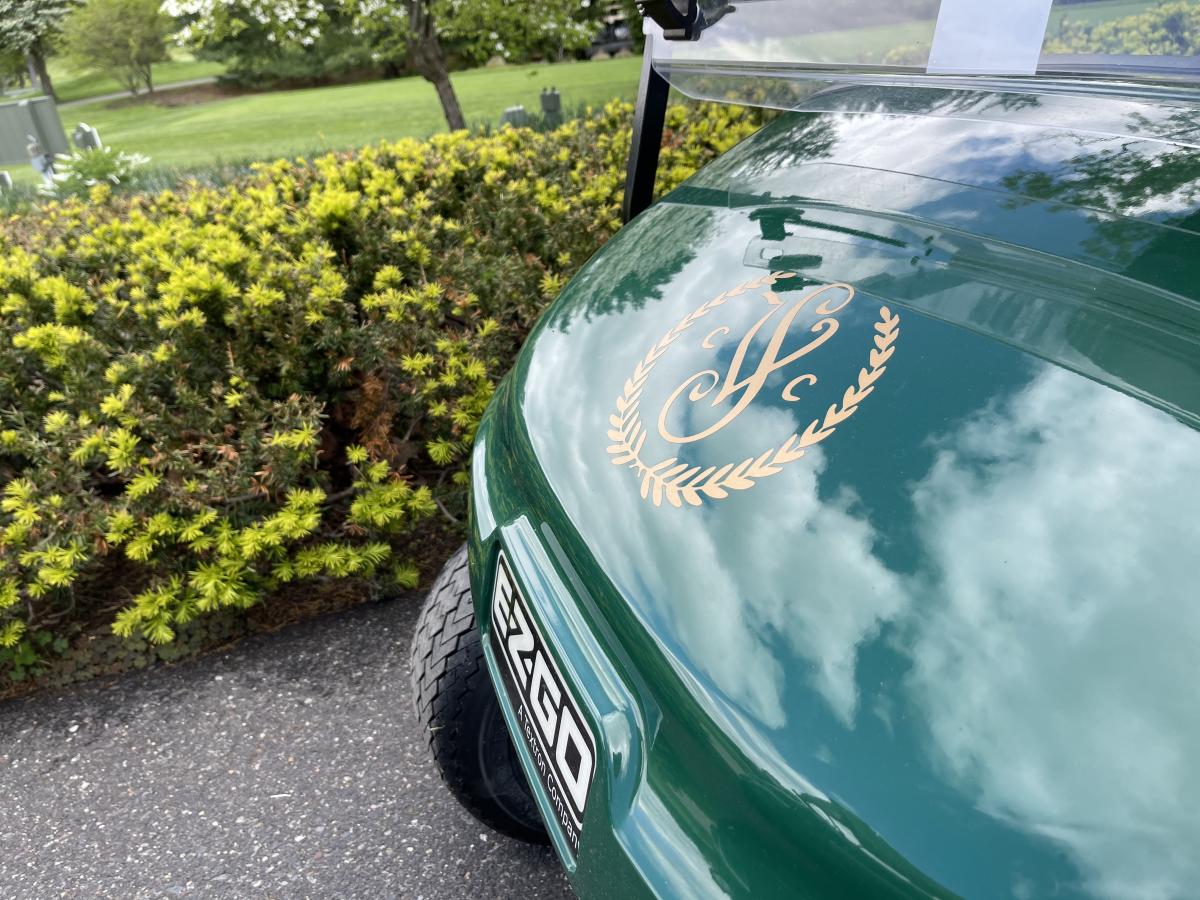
{"type": "Point", "coordinates": [267, 126]}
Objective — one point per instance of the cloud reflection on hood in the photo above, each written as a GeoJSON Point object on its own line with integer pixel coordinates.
{"type": "Point", "coordinates": [1022, 639]}
{"type": "Point", "coordinates": [827, 539]}
{"type": "Point", "coordinates": [830, 542]}
{"type": "Point", "coordinates": [1055, 659]}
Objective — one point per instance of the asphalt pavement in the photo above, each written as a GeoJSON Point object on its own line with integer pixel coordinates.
{"type": "Point", "coordinates": [288, 766]}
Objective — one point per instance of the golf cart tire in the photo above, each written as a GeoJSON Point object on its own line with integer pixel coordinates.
{"type": "Point", "coordinates": [457, 708]}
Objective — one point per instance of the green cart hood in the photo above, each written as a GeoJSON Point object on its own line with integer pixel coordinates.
{"type": "Point", "coordinates": [869, 463]}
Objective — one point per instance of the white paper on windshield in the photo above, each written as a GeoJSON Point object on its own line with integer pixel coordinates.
{"type": "Point", "coordinates": [999, 37]}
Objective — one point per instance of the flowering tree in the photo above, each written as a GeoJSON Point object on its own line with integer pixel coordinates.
{"type": "Point", "coordinates": [421, 33]}
{"type": "Point", "coordinates": [413, 24]}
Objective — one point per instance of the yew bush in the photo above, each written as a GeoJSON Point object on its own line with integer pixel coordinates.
{"type": "Point", "coordinates": [209, 393]}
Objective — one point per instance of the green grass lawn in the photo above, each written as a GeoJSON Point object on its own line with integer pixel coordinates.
{"type": "Point", "coordinates": [283, 123]}
{"type": "Point", "coordinates": [82, 85]}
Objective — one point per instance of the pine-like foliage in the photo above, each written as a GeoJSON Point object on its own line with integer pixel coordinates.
{"type": "Point", "coordinates": [208, 393]}
{"type": "Point", "coordinates": [23, 23]}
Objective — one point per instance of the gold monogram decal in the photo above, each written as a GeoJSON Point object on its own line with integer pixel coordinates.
{"type": "Point", "coordinates": [748, 387]}
{"type": "Point", "coordinates": [680, 483]}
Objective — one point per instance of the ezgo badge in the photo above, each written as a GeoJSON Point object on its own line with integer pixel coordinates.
{"type": "Point", "coordinates": [558, 738]}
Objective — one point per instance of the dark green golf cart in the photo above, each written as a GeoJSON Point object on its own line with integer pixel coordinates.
{"type": "Point", "coordinates": [837, 533]}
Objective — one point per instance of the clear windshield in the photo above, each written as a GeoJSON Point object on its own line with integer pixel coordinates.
{"type": "Point", "coordinates": [1123, 40]}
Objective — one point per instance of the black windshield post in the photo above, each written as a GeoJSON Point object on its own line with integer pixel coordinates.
{"type": "Point", "coordinates": [648, 120]}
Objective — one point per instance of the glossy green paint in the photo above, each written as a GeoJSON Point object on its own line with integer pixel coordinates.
{"type": "Point", "coordinates": [952, 650]}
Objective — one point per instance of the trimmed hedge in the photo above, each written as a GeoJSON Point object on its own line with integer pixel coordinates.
{"type": "Point", "coordinates": [207, 394]}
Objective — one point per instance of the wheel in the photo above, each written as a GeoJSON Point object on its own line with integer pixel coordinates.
{"type": "Point", "coordinates": [457, 707]}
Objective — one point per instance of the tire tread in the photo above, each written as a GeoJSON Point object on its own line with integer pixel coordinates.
{"type": "Point", "coordinates": [448, 672]}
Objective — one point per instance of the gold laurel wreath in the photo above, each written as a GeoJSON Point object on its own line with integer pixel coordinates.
{"type": "Point", "coordinates": [680, 483]}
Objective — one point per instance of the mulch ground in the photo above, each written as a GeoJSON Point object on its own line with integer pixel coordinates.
{"type": "Point", "coordinates": [94, 651]}
{"type": "Point", "coordinates": [188, 96]}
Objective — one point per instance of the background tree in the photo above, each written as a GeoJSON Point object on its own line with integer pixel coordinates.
{"type": "Point", "coordinates": [122, 38]}
{"type": "Point", "coordinates": [27, 27]}
{"type": "Point", "coordinates": [12, 69]}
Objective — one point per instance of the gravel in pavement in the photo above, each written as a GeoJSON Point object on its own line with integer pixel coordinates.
{"type": "Point", "coordinates": [288, 766]}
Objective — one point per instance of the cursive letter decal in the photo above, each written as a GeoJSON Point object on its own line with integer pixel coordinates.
{"type": "Point", "coordinates": [747, 388]}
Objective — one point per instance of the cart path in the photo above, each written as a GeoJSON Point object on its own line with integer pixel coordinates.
{"type": "Point", "coordinates": [158, 89]}
{"type": "Point", "coordinates": [288, 766]}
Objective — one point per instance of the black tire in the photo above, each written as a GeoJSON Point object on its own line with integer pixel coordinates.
{"type": "Point", "coordinates": [457, 707]}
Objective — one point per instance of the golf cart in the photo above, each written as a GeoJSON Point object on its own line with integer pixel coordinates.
{"type": "Point", "coordinates": [613, 36]}
{"type": "Point", "coordinates": [835, 533]}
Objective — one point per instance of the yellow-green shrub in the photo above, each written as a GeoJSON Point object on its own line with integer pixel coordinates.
{"type": "Point", "coordinates": [210, 392]}
{"type": "Point", "coordinates": [1168, 29]}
